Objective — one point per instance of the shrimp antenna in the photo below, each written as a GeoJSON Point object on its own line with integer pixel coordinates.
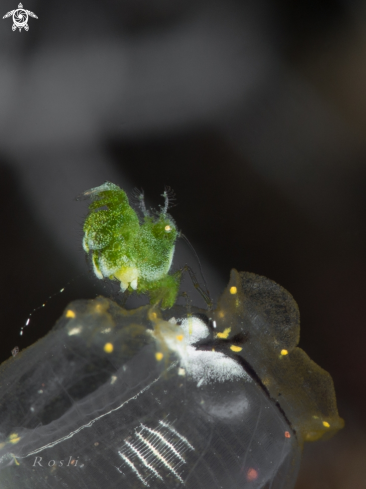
{"type": "Point", "coordinates": [199, 262]}
{"type": "Point", "coordinates": [139, 197]}
{"type": "Point", "coordinates": [169, 196]}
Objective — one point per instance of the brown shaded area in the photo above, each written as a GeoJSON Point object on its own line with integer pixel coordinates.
{"type": "Point", "coordinates": [269, 315]}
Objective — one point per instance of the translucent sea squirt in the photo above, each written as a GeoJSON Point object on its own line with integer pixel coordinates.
{"type": "Point", "coordinates": [165, 399]}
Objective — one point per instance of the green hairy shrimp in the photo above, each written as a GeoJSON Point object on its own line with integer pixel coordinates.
{"type": "Point", "coordinates": [136, 251]}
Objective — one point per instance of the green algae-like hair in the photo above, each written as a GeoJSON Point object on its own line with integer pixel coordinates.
{"type": "Point", "coordinates": [137, 252]}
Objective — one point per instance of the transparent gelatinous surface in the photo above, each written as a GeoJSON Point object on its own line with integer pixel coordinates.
{"type": "Point", "coordinates": [133, 399]}
{"type": "Point", "coordinates": [269, 318]}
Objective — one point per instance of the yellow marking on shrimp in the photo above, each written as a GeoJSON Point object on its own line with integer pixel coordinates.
{"type": "Point", "coordinates": [284, 352]}
{"type": "Point", "coordinates": [190, 325]}
{"type": "Point", "coordinates": [180, 337]}
{"type": "Point", "coordinates": [159, 356]}
{"type": "Point", "coordinates": [235, 348]}
{"type": "Point", "coordinates": [70, 314]}
{"type": "Point", "coordinates": [326, 424]}
{"type": "Point", "coordinates": [233, 290]}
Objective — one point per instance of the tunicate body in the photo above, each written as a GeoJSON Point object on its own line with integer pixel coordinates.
{"type": "Point", "coordinates": [179, 398]}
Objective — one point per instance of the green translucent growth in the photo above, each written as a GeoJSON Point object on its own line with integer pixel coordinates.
{"type": "Point", "coordinates": [163, 290]}
{"type": "Point", "coordinates": [138, 252]}
{"type": "Point", "coordinates": [267, 317]}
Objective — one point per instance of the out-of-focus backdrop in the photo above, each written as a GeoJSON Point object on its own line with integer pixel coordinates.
{"type": "Point", "coordinates": [254, 112]}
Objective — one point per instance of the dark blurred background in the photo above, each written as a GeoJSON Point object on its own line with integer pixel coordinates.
{"type": "Point", "coordinates": [254, 112]}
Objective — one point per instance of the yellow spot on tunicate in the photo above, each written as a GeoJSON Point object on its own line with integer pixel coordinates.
{"type": "Point", "coordinates": [70, 314]}
{"type": "Point", "coordinates": [180, 337]}
{"type": "Point", "coordinates": [159, 356]}
{"type": "Point", "coordinates": [15, 460]}
{"type": "Point", "coordinates": [225, 334]}
{"type": "Point", "coordinates": [284, 352]}
{"type": "Point", "coordinates": [326, 424]}
{"type": "Point", "coordinates": [154, 315]}
{"type": "Point", "coordinates": [108, 348]}
{"type": "Point", "coordinates": [235, 348]}
{"type": "Point", "coordinates": [233, 290]}
{"type": "Point", "coordinates": [14, 438]}
{"type": "Point", "coordinates": [168, 229]}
